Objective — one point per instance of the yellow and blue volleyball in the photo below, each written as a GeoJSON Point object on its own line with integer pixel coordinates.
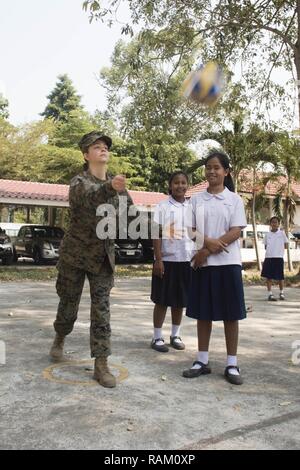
{"type": "Point", "coordinates": [204, 85]}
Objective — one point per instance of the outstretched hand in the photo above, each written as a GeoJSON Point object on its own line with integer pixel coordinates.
{"type": "Point", "coordinates": [119, 183]}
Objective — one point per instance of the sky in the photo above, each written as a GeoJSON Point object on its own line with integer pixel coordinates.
{"type": "Point", "coordinates": [41, 39]}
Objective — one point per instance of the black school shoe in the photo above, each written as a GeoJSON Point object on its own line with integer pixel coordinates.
{"type": "Point", "coordinates": [177, 343]}
{"type": "Point", "coordinates": [157, 347]}
{"type": "Point", "coordinates": [233, 379]}
{"type": "Point", "coordinates": [271, 298]}
{"type": "Point", "coordinates": [191, 373]}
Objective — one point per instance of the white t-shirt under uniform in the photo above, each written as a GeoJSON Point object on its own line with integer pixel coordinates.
{"type": "Point", "coordinates": [221, 212]}
{"type": "Point", "coordinates": [274, 243]}
{"type": "Point", "coordinates": [167, 212]}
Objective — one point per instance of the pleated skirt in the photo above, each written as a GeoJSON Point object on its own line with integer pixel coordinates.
{"type": "Point", "coordinates": [273, 268]}
{"type": "Point", "coordinates": [172, 289]}
{"type": "Point", "coordinates": [216, 293]}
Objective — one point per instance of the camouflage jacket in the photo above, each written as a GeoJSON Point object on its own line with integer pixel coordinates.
{"type": "Point", "coordinates": [81, 247]}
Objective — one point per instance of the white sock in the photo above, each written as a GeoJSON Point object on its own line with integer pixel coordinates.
{"type": "Point", "coordinates": [270, 292]}
{"type": "Point", "coordinates": [202, 356]}
{"type": "Point", "coordinates": [281, 291]}
{"type": "Point", "coordinates": [232, 361]}
{"type": "Point", "coordinates": [175, 330]}
{"type": "Point", "coordinates": [158, 335]}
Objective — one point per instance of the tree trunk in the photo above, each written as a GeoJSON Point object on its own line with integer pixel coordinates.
{"type": "Point", "coordinates": [297, 59]}
{"type": "Point", "coordinates": [253, 217]}
{"type": "Point", "coordinates": [287, 223]}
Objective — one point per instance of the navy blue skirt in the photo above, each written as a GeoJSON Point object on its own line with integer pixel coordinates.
{"type": "Point", "coordinates": [217, 293]}
{"type": "Point", "coordinates": [172, 289]}
{"type": "Point", "coordinates": [273, 268]}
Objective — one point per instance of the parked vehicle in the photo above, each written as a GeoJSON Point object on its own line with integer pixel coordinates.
{"type": "Point", "coordinates": [40, 242]}
{"type": "Point", "coordinates": [6, 247]}
{"type": "Point", "coordinates": [128, 250]}
{"type": "Point", "coordinates": [11, 229]}
{"type": "Point", "coordinates": [247, 237]}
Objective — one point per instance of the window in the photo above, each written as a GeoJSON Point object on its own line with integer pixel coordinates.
{"type": "Point", "coordinates": [22, 232]}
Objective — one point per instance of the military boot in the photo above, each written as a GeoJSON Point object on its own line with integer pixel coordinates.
{"type": "Point", "coordinates": [56, 351]}
{"type": "Point", "coordinates": [102, 373]}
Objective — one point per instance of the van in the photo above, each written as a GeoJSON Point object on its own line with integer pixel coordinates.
{"type": "Point", "coordinates": [247, 236]}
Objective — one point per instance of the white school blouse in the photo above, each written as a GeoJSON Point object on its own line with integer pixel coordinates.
{"type": "Point", "coordinates": [220, 212]}
{"type": "Point", "coordinates": [167, 212]}
{"type": "Point", "coordinates": [274, 243]}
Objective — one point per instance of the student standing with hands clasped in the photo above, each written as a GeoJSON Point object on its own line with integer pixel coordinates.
{"type": "Point", "coordinates": [171, 269]}
{"type": "Point", "coordinates": [216, 291]}
{"type": "Point", "coordinates": [273, 268]}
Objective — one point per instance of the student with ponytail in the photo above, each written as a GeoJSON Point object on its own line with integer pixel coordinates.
{"type": "Point", "coordinates": [216, 290]}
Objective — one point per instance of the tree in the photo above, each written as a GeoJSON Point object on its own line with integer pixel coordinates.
{"type": "Point", "coordinates": [4, 114]}
{"type": "Point", "coordinates": [287, 151]}
{"type": "Point", "coordinates": [67, 133]}
{"type": "Point", "coordinates": [62, 100]}
{"type": "Point", "coordinates": [7, 133]}
{"type": "Point", "coordinates": [262, 35]}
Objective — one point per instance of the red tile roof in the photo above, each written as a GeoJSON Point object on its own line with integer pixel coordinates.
{"type": "Point", "coordinates": [198, 188]}
{"type": "Point", "coordinates": [29, 190]}
{"type": "Point", "coordinates": [59, 192]}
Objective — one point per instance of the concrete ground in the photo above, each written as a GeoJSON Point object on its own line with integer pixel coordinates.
{"type": "Point", "coordinates": [46, 406]}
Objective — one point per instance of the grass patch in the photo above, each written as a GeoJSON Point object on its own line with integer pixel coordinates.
{"type": "Point", "coordinates": [13, 273]}
{"type": "Point", "coordinates": [47, 273]}
{"type": "Point", "coordinates": [135, 270]}
{"type": "Point", "coordinates": [251, 277]}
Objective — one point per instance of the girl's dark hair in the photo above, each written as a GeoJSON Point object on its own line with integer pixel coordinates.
{"type": "Point", "coordinates": [275, 218]}
{"type": "Point", "coordinates": [224, 160]}
{"type": "Point", "coordinates": [179, 172]}
{"type": "Point", "coordinates": [85, 165]}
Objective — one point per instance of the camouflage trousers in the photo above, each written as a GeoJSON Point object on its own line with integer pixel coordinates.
{"type": "Point", "coordinates": [69, 288]}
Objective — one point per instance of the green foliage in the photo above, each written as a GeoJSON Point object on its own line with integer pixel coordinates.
{"type": "Point", "coordinates": [4, 114]}
{"type": "Point", "coordinates": [62, 100]}
{"type": "Point", "coordinates": [68, 133]}
{"type": "Point", "coordinates": [259, 37]}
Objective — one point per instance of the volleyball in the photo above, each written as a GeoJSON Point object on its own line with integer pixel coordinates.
{"type": "Point", "coordinates": [204, 85]}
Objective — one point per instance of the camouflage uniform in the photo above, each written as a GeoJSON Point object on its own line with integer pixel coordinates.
{"type": "Point", "coordinates": [83, 253]}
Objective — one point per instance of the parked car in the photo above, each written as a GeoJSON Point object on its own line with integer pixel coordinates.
{"type": "Point", "coordinates": [11, 229]}
{"type": "Point", "coordinates": [296, 235]}
{"type": "Point", "coordinates": [6, 247]}
{"type": "Point", "coordinates": [128, 250]}
{"type": "Point", "coordinates": [40, 242]}
{"type": "Point", "coordinates": [247, 236]}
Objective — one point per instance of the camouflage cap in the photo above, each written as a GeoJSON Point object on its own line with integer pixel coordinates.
{"type": "Point", "coordinates": [91, 138]}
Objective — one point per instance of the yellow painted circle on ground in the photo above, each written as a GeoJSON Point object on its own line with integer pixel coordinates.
{"type": "Point", "coordinates": [48, 373]}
